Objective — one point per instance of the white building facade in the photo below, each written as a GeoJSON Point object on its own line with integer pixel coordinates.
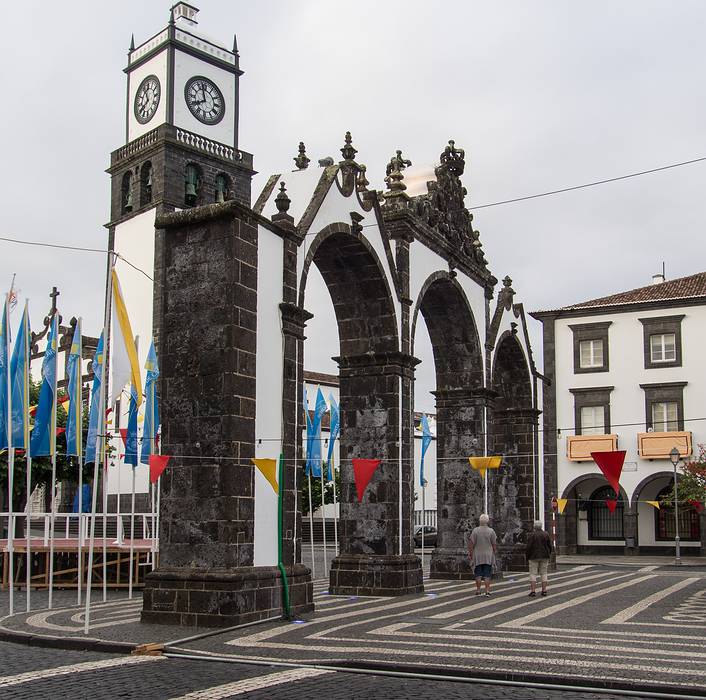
{"type": "Point", "coordinates": [626, 373]}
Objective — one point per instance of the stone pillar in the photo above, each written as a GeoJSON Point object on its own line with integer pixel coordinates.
{"type": "Point", "coordinates": [294, 320]}
{"type": "Point", "coordinates": [511, 488]}
{"type": "Point", "coordinates": [459, 489]}
{"type": "Point", "coordinates": [208, 322]}
{"type": "Point", "coordinates": [370, 562]}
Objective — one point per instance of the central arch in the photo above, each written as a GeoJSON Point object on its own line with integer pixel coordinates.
{"type": "Point", "coordinates": [458, 363]}
{"type": "Point", "coordinates": [373, 376]}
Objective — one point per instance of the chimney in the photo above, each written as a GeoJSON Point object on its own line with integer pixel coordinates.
{"type": "Point", "coordinates": [658, 278]}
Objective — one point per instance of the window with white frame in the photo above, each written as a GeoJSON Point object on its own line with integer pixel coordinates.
{"type": "Point", "coordinates": [591, 353]}
{"type": "Point", "coordinates": [592, 420]}
{"type": "Point", "coordinates": [663, 347]}
{"type": "Point", "coordinates": [665, 416]}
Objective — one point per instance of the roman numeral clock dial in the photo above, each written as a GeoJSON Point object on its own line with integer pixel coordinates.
{"type": "Point", "coordinates": [147, 99]}
{"type": "Point", "coordinates": [204, 100]}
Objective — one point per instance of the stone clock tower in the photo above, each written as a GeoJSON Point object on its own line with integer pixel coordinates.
{"type": "Point", "coordinates": [181, 151]}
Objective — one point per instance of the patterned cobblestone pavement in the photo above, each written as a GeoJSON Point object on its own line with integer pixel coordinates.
{"type": "Point", "coordinates": [640, 627]}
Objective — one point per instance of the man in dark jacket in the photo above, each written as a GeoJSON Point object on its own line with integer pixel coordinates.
{"type": "Point", "coordinates": [539, 550]}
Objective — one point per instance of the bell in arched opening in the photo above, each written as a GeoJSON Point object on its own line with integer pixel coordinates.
{"type": "Point", "coordinates": [126, 193]}
{"type": "Point", "coordinates": [192, 184]}
{"type": "Point", "coordinates": [222, 186]}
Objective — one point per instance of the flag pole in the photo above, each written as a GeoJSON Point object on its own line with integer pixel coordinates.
{"type": "Point", "coordinates": [52, 442]}
{"type": "Point", "coordinates": [78, 415]}
{"type": "Point", "coordinates": [28, 475]}
{"type": "Point", "coordinates": [424, 513]}
{"type": "Point", "coordinates": [80, 528]}
{"type": "Point", "coordinates": [335, 508]}
{"type": "Point", "coordinates": [323, 518]}
{"type": "Point", "coordinates": [118, 517]}
{"type": "Point", "coordinates": [10, 456]}
{"type": "Point", "coordinates": [311, 531]}
{"type": "Point", "coordinates": [105, 506]}
{"type": "Point", "coordinates": [132, 532]}
{"type": "Point", "coordinates": [100, 440]}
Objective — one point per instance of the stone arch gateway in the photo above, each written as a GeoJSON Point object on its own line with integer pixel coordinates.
{"type": "Point", "coordinates": [230, 324]}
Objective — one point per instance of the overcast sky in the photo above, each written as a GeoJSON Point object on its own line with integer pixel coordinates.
{"type": "Point", "coordinates": [542, 95]}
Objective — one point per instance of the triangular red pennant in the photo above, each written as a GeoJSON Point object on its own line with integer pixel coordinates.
{"type": "Point", "coordinates": [363, 470]}
{"type": "Point", "coordinates": [158, 463]}
{"type": "Point", "coordinates": [59, 431]}
{"type": "Point", "coordinates": [611, 464]}
{"type": "Point", "coordinates": [123, 435]}
{"type": "Point", "coordinates": [611, 503]}
{"type": "Point", "coordinates": [698, 506]}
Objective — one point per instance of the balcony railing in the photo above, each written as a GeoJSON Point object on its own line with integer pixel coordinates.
{"type": "Point", "coordinates": [659, 445]}
{"type": "Point", "coordinates": [579, 447]}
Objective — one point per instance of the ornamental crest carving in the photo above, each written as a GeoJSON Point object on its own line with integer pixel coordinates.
{"type": "Point", "coordinates": [442, 208]}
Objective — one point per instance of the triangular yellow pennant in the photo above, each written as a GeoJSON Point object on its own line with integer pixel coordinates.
{"type": "Point", "coordinates": [654, 504]}
{"type": "Point", "coordinates": [482, 463]}
{"type": "Point", "coordinates": [268, 469]}
{"type": "Point", "coordinates": [561, 504]}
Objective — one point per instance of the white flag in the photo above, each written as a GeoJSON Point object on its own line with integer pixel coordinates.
{"type": "Point", "coordinates": [124, 365]}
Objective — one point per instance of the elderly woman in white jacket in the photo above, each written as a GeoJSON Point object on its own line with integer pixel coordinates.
{"type": "Point", "coordinates": [482, 545]}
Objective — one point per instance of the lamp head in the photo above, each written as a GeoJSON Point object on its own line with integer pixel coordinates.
{"type": "Point", "coordinates": [674, 456]}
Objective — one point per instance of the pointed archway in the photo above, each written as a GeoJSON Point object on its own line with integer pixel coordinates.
{"type": "Point", "coordinates": [376, 555]}
{"type": "Point", "coordinates": [460, 399]}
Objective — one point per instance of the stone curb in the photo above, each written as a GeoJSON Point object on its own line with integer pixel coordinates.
{"type": "Point", "coordinates": [73, 643]}
{"type": "Point", "coordinates": [520, 678]}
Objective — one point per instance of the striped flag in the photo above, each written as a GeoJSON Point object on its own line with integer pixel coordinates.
{"type": "Point", "coordinates": [4, 375]}
{"type": "Point", "coordinates": [94, 412]}
{"type": "Point", "coordinates": [74, 420]}
{"type": "Point", "coordinates": [19, 373]}
{"type": "Point", "coordinates": [124, 365]}
{"type": "Point", "coordinates": [43, 440]}
{"type": "Point", "coordinates": [150, 427]}
{"type": "Point", "coordinates": [334, 430]}
{"type": "Point", "coordinates": [426, 441]}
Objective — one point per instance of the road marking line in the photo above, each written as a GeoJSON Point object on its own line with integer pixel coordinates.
{"type": "Point", "coordinates": [6, 681]}
{"type": "Point", "coordinates": [398, 630]}
{"type": "Point", "coordinates": [628, 613]}
{"type": "Point", "coordinates": [616, 633]}
{"type": "Point", "coordinates": [425, 653]}
{"type": "Point", "coordinates": [41, 620]}
{"type": "Point", "coordinates": [546, 612]}
{"type": "Point", "coordinates": [249, 685]}
{"type": "Point", "coordinates": [592, 673]}
{"type": "Point", "coordinates": [484, 603]}
{"type": "Point", "coordinates": [647, 569]}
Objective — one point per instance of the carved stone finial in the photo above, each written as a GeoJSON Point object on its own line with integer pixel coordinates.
{"type": "Point", "coordinates": [356, 218]}
{"type": "Point", "coordinates": [171, 16]}
{"type": "Point", "coordinates": [361, 183]}
{"type": "Point", "coordinates": [507, 282]}
{"type": "Point", "coordinates": [282, 201]}
{"type": "Point", "coordinates": [325, 162]}
{"type": "Point", "coordinates": [235, 45]}
{"type": "Point", "coordinates": [132, 43]}
{"type": "Point", "coordinates": [301, 161]}
{"type": "Point", "coordinates": [348, 151]}
{"type": "Point", "coordinates": [507, 293]}
{"type": "Point", "coordinates": [394, 174]}
{"type": "Point", "coordinates": [397, 163]}
{"type": "Point", "coordinates": [454, 159]}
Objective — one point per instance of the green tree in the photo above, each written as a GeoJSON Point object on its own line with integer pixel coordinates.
{"type": "Point", "coordinates": [316, 491]}
{"type": "Point", "coordinates": [692, 480]}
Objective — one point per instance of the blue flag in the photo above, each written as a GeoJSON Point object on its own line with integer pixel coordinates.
{"type": "Point", "coordinates": [131, 435]}
{"type": "Point", "coordinates": [43, 441]}
{"type": "Point", "coordinates": [93, 414]}
{"type": "Point", "coordinates": [335, 429]}
{"type": "Point", "coordinates": [426, 440]}
{"type": "Point", "coordinates": [150, 427]}
{"type": "Point", "coordinates": [314, 454]}
{"type": "Point", "coordinates": [74, 420]}
{"type": "Point", "coordinates": [4, 377]}
{"type": "Point", "coordinates": [19, 373]}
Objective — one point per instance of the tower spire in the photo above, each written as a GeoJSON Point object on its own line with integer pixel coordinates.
{"type": "Point", "coordinates": [132, 42]}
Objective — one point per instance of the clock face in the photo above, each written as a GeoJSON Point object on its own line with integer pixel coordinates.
{"type": "Point", "coordinates": [204, 100]}
{"type": "Point", "coordinates": [147, 99]}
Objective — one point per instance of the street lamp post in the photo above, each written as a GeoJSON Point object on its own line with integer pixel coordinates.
{"type": "Point", "coordinates": [674, 456]}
